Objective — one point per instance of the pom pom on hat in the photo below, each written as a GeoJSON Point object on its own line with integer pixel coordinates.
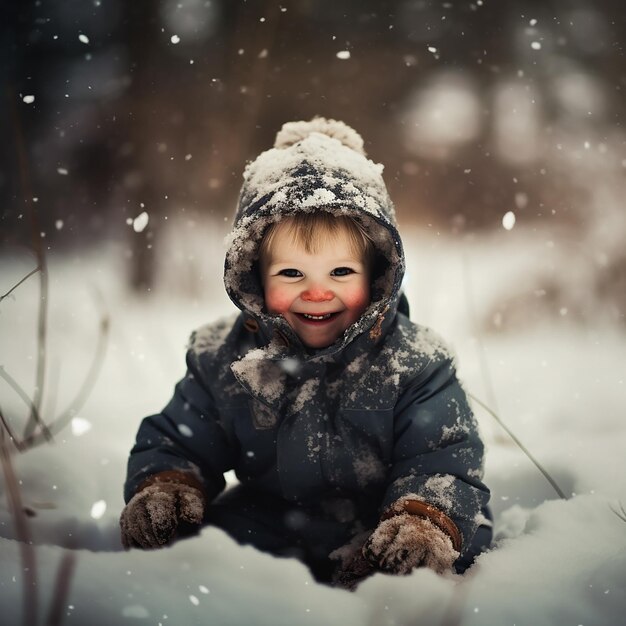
{"type": "Point", "coordinates": [293, 132]}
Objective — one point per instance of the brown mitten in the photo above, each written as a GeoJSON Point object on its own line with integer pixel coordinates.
{"type": "Point", "coordinates": [405, 541]}
{"type": "Point", "coordinates": [355, 572]}
{"type": "Point", "coordinates": [352, 567]}
{"type": "Point", "coordinates": [152, 516]}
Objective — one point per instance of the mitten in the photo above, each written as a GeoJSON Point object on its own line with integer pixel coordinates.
{"type": "Point", "coordinates": [355, 571]}
{"type": "Point", "coordinates": [403, 540]}
{"type": "Point", "coordinates": [352, 567]}
{"type": "Point", "coordinates": [154, 513]}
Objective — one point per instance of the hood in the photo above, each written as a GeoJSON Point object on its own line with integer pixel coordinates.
{"type": "Point", "coordinates": [314, 166]}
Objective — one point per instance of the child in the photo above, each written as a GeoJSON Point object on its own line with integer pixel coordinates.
{"type": "Point", "coordinates": [351, 437]}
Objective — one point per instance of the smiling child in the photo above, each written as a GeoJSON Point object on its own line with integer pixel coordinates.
{"type": "Point", "coordinates": [353, 442]}
{"type": "Point", "coordinates": [316, 271]}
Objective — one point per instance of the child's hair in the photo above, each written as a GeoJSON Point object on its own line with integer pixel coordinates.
{"type": "Point", "coordinates": [309, 230]}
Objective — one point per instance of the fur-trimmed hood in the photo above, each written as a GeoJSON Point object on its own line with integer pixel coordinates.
{"type": "Point", "coordinates": [318, 165]}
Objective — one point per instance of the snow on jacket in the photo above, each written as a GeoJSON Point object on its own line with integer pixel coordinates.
{"type": "Point", "coordinates": [377, 415]}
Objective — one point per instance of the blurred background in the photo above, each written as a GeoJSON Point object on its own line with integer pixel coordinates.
{"type": "Point", "coordinates": [486, 114]}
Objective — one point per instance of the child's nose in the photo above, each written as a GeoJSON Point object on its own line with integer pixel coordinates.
{"type": "Point", "coordinates": [317, 294]}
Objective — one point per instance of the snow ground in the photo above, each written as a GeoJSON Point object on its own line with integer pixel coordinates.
{"type": "Point", "coordinates": [559, 385]}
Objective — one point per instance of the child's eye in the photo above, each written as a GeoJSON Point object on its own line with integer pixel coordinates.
{"type": "Point", "coordinates": [342, 271]}
{"type": "Point", "coordinates": [290, 273]}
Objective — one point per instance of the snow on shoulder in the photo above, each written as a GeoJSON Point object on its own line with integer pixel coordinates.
{"type": "Point", "coordinates": [424, 341]}
{"type": "Point", "coordinates": [210, 337]}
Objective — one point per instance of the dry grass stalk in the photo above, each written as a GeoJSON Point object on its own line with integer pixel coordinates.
{"type": "Point", "coordinates": [27, 550]}
{"type": "Point", "coordinates": [61, 589]}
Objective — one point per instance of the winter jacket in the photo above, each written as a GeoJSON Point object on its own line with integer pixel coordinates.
{"type": "Point", "coordinates": [376, 416]}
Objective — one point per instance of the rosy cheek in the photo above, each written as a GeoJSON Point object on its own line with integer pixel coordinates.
{"type": "Point", "coordinates": [277, 300]}
{"type": "Point", "coordinates": [356, 298]}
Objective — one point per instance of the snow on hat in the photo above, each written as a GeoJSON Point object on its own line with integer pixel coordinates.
{"type": "Point", "coordinates": [292, 132]}
{"type": "Point", "coordinates": [316, 165]}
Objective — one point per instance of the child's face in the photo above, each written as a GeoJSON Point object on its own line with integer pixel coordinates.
{"type": "Point", "coordinates": [319, 294]}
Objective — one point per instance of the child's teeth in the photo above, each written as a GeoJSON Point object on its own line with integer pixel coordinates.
{"type": "Point", "coordinates": [316, 317]}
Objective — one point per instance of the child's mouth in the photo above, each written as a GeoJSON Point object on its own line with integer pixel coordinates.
{"type": "Point", "coordinates": [316, 319]}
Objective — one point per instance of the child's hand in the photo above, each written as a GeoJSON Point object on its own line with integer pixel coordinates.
{"type": "Point", "coordinates": [152, 516]}
{"type": "Point", "coordinates": [406, 541]}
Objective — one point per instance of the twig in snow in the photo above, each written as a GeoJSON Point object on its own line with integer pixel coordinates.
{"type": "Point", "coordinates": [81, 397]}
{"type": "Point", "coordinates": [40, 253]}
{"type": "Point", "coordinates": [8, 293]}
{"type": "Point", "coordinates": [61, 589]}
{"type": "Point", "coordinates": [522, 447]}
{"type": "Point", "coordinates": [27, 551]}
{"type": "Point", "coordinates": [7, 428]}
{"type": "Point", "coordinates": [45, 432]}
{"type": "Point", "coordinates": [42, 324]}
{"type": "Point", "coordinates": [621, 513]}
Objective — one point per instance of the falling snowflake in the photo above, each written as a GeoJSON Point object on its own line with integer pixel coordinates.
{"type": "Point", "coordinates": [343, 54]}
{"type": "Point", "coordinates": [28, 99]}
{"type": "Point", "coordinates": [140, 222]}
{"type": "Point", "coordinates": [83, 38]}
{"type": "Point", "coordinates": [508, 220]}
{"type": "Point", "coordinates": [184, 430]}
{"type": "Point", "coordinates": [80, 426]}
{"type": "Point", "coordinates": [98, 509]}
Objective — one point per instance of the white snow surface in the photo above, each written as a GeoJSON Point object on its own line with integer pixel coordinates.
{"type": "Point", "coordinates": [558, 385]}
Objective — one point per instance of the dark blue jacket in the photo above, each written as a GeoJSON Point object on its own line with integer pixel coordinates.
{"type": "Point", "coordinates": [371, 425]}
